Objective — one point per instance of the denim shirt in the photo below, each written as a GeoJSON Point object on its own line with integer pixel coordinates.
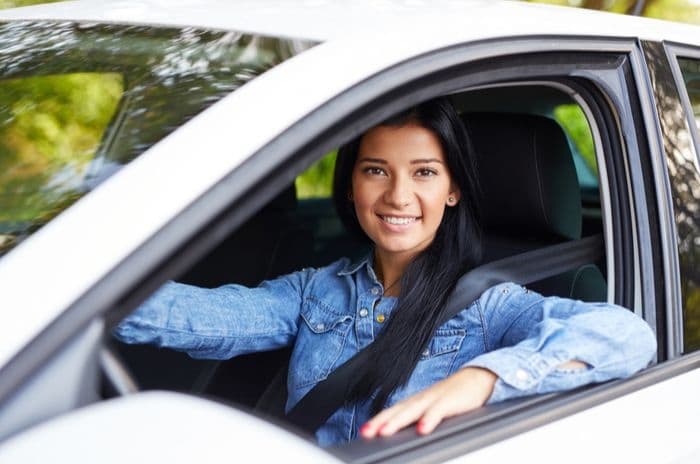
{"type": "Point", "coordinates": [328, 314]}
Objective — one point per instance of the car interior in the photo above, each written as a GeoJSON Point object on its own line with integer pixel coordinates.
{"type": "Point", "coordinates": [539, 187]}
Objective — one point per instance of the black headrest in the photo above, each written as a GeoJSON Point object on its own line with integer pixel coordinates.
{"type": "Point", "coordinates": [527, 175]}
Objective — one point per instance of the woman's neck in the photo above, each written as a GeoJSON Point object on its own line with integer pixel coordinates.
{"type": "Point", "coordinates": [389, 269]}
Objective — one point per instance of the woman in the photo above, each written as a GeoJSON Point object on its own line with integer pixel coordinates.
{"type": "Point", "coordinates": [408, 185]}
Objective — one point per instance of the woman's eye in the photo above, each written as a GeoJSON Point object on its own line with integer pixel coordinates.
{"type": "Point", "coordinates": [374, 171]}
{"type": "Point", "coordinates": [426, 172]}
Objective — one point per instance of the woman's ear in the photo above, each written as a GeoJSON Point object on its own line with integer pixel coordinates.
{"type": "Point", "coordinates": [453, 197]}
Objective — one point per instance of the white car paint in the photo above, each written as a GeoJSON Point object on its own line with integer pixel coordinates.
{"type": "Point", "coordinates": [653, 425]}
{"type": "Point", "coordinates": [183, 429]}
{"type": "Point", "coordinates": [426, 20]}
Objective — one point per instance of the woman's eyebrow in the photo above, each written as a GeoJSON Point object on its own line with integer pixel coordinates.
{"type": "Point", "coordinates": [413, 161]}
{"type": "Point", "coordinates": [372, 160]}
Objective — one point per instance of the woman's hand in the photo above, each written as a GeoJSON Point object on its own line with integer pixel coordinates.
{"type": "Point", "coordinates": [466, 389]}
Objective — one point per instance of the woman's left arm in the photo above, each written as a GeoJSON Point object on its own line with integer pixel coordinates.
{"type": "Point", "coordinates": [532, 340]}
{"type": "Point", "coordinates": [534, 344]}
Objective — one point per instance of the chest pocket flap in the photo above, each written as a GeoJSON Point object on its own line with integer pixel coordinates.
{"type": "Point", "coordinates": [321, 320]}
{"type": "Point", "coordinates": [444, 341]}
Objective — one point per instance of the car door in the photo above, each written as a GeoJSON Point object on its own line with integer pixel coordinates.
{"type": "Point", "coordinates": [609, 80]}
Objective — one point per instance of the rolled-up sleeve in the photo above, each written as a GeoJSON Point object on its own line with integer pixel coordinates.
{"type": "Point", "coordinates": [219, 323]}
{"type": "Point", "coordinates": [528, 337]}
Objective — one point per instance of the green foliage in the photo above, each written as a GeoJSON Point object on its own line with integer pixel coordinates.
{"type": "Point", "coordinates": [317, 181]}
{"type": "Point", "coordinates": [685, 11]}
{"type": "Point", "coordinates": [17, 3]}
{"type": "Point", "coordinates": [572, 118]}
{"type": "Point", "coordinates": [617, 6]}
{"type": "Point", "coordinates": [50, 129]}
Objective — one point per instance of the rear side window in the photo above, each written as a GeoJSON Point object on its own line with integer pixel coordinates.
{"type": "Point", "coordinates": [78, 102]}
{"type": "Point", "coordinates": [686, 192]}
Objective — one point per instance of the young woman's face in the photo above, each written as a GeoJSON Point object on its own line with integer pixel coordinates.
{"type": "Point", "coordinates": [400, 188]}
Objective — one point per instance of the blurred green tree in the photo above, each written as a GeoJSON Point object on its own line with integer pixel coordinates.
{"type": "Point", "coordinates": [686, 11]}
{"type": "Point", "coordinates": [50, 127]}
{"type": "Point", "coordinates": [17, 3]}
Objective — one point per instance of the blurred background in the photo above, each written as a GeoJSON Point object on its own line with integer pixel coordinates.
{"type": "Point", "coordinates": [687, 11]}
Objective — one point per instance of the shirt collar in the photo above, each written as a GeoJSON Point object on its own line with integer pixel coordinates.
{"type": "Point", "coordinates": [353, 267]}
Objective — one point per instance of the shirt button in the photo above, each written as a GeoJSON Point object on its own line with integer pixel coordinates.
{"type": "Point", "coordinates": [375, 291]}
{"type": "Point", "coordinates": [426, 353]}
{"type": "Point", "coordinates": [381, 318]}
{"type": "Point", "coordinates": [521, 375]}
{"type": "Point", "coordinates": [320, 326]}
{"type": "Point", "coordinates": [364, 312]}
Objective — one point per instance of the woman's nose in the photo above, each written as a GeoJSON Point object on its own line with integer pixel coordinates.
{"type": "Point", "coordinates": [398, 193]}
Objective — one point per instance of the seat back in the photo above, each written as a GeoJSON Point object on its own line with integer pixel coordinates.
{"type": "Point", "coordinates": [531, 195]}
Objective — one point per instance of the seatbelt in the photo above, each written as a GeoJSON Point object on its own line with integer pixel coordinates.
{"type": "Point", "coordinates": [314, 409]}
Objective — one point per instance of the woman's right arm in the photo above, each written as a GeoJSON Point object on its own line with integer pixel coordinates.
{"type": "Point", "coordinates": [219, 323]}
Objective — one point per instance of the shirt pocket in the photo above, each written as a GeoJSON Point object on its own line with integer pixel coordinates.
{"type": "Point", "coordinates": [436, 363]}
{"type": "Point", "coordinates": [444, 342]}
{"type": "Point", "coordinates": [323, 332]}
{"type": "Point", "coordinates": [437, 360]}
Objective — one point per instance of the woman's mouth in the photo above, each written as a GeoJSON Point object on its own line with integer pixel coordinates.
{"type": "Point", "coordinates": [399, 220]}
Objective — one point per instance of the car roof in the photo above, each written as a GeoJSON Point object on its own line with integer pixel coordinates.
{"type": "Point", "coordinates": [324, 20]}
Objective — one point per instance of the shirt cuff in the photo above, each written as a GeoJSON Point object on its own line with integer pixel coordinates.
{"type": "Point", "coordinates": [519, 372]}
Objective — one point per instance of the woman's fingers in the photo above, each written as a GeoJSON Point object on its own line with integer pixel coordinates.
{"type": "Point", "coordinates": [407, 412]}
{"type": "Point", "coordinates": [432, 418]}
{"type": "Point", "coordinates": [465, 390]}
{"type": "Point", "coordinates": [387, 422]}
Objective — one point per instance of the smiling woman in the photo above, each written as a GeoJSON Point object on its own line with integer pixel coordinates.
{"type": "Point", "coordinates": [409, 187]}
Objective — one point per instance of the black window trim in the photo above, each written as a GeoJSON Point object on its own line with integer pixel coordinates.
{"type": "Point", "coordinates": [178, 244]}
{"type": "Point", "coordinates": [675, 84]}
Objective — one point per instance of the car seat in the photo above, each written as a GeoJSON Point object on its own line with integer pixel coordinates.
{"type": "Point", "coordinates": [530, 194]}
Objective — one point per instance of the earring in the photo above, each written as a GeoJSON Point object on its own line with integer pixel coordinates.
{"type": "Point", "coordinates": [350, 196]}
{"type": "Point", "coordinates": [451, 201]}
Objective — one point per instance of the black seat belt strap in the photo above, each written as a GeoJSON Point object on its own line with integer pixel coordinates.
{"type": "Point", "coordinates": [314, 409]}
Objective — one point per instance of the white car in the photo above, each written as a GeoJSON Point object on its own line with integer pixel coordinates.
{"type": "Point", "coordinates": [149, 140]}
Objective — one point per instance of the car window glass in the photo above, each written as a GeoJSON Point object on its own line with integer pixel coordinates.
{"type": "Point", "coordinates": [48, 138]}
{"type": "Point", "coordinates": [685, 207]}
{"type": "Point", "coordinates": [78, 102]}
{"type": "Point", "coordinates": [573, 121]}
{"type": "Point", "coordinates": [317, 180]}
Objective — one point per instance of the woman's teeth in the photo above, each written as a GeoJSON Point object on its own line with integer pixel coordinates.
{"type": "Point", "coordinates": [398, 220]}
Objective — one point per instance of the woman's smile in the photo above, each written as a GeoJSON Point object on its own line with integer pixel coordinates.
{"type": "Point", "coordinates": [399, 220]}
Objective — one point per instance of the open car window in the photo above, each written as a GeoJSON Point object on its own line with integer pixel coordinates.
{"type": "Point", "coordinates": [300, 228]}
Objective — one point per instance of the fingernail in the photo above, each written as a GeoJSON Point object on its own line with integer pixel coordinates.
{"type": "Point", "coordinates": [422, 427]}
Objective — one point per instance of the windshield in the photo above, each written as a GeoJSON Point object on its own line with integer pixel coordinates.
{"type": "Point", "coordinates": [79, 101]}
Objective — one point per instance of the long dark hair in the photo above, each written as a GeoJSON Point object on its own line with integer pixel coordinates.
{"type": "Point", "coordinates": [431, 276]}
